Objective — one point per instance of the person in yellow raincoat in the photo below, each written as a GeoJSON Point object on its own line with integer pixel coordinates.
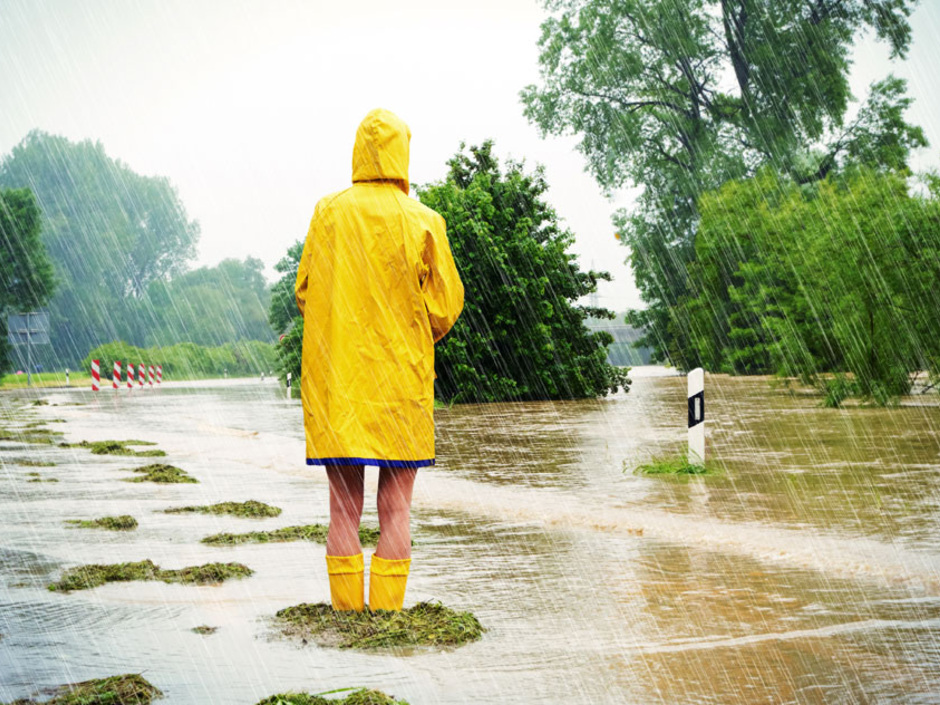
{"type": "Point", "coordinates": [377, 287]}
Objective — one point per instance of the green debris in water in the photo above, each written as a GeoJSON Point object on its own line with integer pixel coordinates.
{"type": "Point", "coordinates": [36, 477]}
{"type": "Point", "coordinates": [251, 508]}
{"type": "Point", "coordinates": [204, 630]}
{"type": "Point", "coordinates": [29, 434]}
{"type": "Point", "coordinates": [30, 463]}
{"type": "Point", "coordinates": [129, 689]}
{"type": "Point", "coordinates": [678, 465]}
{"type": "Point", "coordinates": [310, 532]}
{"type": "Point", "coordinates": [124, 522]}
{"type": "Point", "coordinates": [162, 473]}
{"type": "Point", "coordinates": [359, 696]}
{"type": "Point", "coordinates": [425, 624]}
{"type": "Point", "coordinates": [40, 402]}
{"type": "Point", "coordinates": [117, 448]}
{"type": "Point", "coordinates": [85, 577]}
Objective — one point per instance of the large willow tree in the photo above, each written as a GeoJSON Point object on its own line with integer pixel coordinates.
{"type": "Point", "coordinates": [680, 96]}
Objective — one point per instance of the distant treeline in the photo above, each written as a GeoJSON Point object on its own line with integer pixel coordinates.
{"type": "Point", "coordinates": [120, 245]}
{"type": "Point", "coordinates": [188, 360]}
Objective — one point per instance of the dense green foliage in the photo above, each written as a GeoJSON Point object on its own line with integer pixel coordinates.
{"type": "Point", "coordinates": [209, 305]}
{"type": "Point", "coordinates": [110, 232]}
{"type": "Point", "coordinates": [839, 275]}
{"type": "Point", "coordinates": [26, 277]}
{"type": "Point", "coordinates": [521, 335]}
{"type": "Point", "coordinates": [245, 358]}
{"type": "Point", "coordinates": [680, 96]}
{"type": "Point", "coordinates": [285, 319]}
{"type": "Point", "coordinates": [121, 243]}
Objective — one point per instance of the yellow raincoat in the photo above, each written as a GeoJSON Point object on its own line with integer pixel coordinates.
{"type": "Point", "coordinates": [377, 287]}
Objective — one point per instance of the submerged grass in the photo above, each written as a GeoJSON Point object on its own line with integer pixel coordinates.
{"type": "Point", "coordinates": [310, 532]}
{"type": "Point", "coordinates": [251, 508]}
{"type": "Point", "coordinates": [128, 689]}
{"type": "Point", "coordinates": [204, 630]}
{"type": "Point", "coordinates": [125, 522]}
{"type": "Point", "coordinates": [425, 624]}
{"type": "Point", "coordinates": [162, 473]}
{"type": "Point", "coordinates": [117, 448]}
{"type": "Point", "coordinates": [36, 477]}
{"type": "Point", "coordinates": [675, 465]}
{"type": "Point", "coordinates": [359, 696]}
{"type": "Point", "coordinates": [85, 577]}
{"type": "Point", "coordinates": [30, 463]}
{"type": "Point", "coordinates": [29, 434]}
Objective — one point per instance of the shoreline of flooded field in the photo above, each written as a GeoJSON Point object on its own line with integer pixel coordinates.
{"type": "Point", "coordinates": [808, 568]}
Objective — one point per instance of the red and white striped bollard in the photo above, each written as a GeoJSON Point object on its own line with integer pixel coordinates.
{"type": "Point", "coordinates": [116, 379]}
{"type": "Point", "coordinates": [159, 374]}
{"type": "Point", "coordinates": [150, 374]}
{"type": "Point", "coordinates": [95, 376]}
{"type": "Point", "coordinates": [130, 375]}
{"type": "Point", "coordinates": [140, 374]}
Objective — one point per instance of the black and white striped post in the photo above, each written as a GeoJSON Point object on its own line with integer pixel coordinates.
{"type": "Point", "coordinates": [697, 416]}
{"type": "Point", "coordinates": [288, 386]}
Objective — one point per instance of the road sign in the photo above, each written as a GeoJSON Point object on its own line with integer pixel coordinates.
{"type": "Point", "coordinates": [28, 328]}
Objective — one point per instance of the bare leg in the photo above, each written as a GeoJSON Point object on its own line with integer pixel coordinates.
{"type": "Point", "coordinates": [346, 483]}
{"type": "Point", "coordinates": [394, 504]}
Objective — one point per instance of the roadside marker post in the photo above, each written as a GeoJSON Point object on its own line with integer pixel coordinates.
{"type": "Point", "coordinates": [116, 378]}
{"type": "Point", "coordinates": [95, 376]}
{"type": "Point", "coordinates": [141, 373]}
{"type": "Point", "coordinates": [66, 376]}
{"type": "Point", "coordinates": [696, 381]}
{"type": "Point", "coordinates": [159, 374]}
{"type": "Point", "coordinates": [130, 375]}
{"type": "Point", "coordinates": [150, 375]}
{"type": "Point", "coordinates": [288, 386]}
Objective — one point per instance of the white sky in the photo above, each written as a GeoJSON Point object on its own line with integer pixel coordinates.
{"type": "Point", "coordinates": [250, 107]}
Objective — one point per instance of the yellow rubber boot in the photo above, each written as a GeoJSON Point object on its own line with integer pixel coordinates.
{"type": "Point", "coordinates": [387, 580]}
{"type": "Point", "coordinates": [347, 583]}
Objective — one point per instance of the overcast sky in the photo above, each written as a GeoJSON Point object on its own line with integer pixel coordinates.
{"type": "Point", "coordinates": [250, 108]}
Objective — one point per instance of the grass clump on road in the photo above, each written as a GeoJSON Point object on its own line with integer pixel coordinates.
{"type": "Point", "coordinates": [85, 577]}
{"type": "Point", "coordinates": [118, 448]}
{"type": "Point", "coordinates": [204, 630]}
{"type": "Point", "coordinates": [425, 624]}
{"type": "Point", "coordinates": [359, 696]}
{"type": "Point", "coordinates": [251, 508]}
{"type": "Point", "coordinates": [36, 477]}
{"type": "Point", "coordinates": [30, 463]}
{"type": "Point", "coordinates": [34, 435]}
{"type": "Point", "coordinates": [675, 465]}
{"type": "Point", "coordinates": [129, 689]}
{"type": "Point", "coordinates": [162, 473]}
{"type": "Point", "coordinates": [125, 522]}
{"type": "Point", "coordinates": [310, 532]}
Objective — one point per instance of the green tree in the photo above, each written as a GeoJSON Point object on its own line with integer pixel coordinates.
{"type": "Point", "coordinates": [110, 233]}
{"type": "Point", "coordinates": [838, 275]}
{"type": "Point", "coordinates": [26, 276]}
{"type": "Point", "coordinates": [284, 317]}
{"type": "Point", "coordinates": [210, 305]}
{"type": "Point", "coordinates": [645, 85]}
{"type": "Point", "coordinates": [521, 335]}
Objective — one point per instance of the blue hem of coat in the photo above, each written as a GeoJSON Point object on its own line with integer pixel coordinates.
{"type": "Point", "coordinates": [372, 461]}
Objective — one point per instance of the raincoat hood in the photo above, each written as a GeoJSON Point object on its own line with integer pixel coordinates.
{"type": "Point", "coordinates": [381, 149]}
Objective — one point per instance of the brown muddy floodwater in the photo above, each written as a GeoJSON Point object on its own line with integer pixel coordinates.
{"type": "Point", "coordinates": [807, 571]}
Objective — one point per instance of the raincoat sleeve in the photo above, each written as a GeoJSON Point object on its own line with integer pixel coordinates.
{"type": "Point", "coordinates": [442, 288]}
{"type": "Point", "coordinates": [303, 268]}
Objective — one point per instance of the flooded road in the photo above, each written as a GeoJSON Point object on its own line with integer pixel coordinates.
{"type": "Point", "coordinates": [807, 570]}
